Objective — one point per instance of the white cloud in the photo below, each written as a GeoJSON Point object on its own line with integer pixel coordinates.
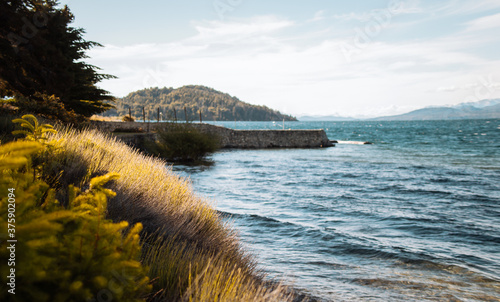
{"type": "Point", "coordinates": [318, 16]}
{"type": "Point", "coordinates": [264, 61]}
{"type": "Point", "coordinates": [446, 89]}
{"type": "Point", "coordinates": [402, 65]}
{"type": "Point", "coordinates": [393, 8]}
{"type": "Point", "coordinates": [353, 16]}
{"type": "Point", "coordinates": [487, 22]}
{"type": "Point", "coordinates": [465, 7]}
{"type": "Point", "coordinates": [210, 30]}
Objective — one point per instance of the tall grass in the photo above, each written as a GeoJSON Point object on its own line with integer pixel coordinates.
{"type": "Point", "coordinates": [193, 254]}
{"type": "Point", "coordinates": [146, 191]}
{"type": "Point", "coordinates": [190, 274]}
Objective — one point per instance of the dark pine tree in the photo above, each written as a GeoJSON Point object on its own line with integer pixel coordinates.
{"type": "Point", "coordinates": [41, 62]}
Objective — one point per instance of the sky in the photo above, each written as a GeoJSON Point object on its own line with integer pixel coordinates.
{"type": "Point", "coordinates": [317, 57]}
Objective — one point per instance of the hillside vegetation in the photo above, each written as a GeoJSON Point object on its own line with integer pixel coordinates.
{"type": "Point", "coordinates": [133, 222]}
{"type": "Point", "coordinates": [214, 105]}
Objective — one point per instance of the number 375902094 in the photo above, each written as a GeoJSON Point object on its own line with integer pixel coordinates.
{"type": "Point", "coordinates": [11, 227]}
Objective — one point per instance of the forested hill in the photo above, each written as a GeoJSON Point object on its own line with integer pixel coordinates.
{"type": "Point", "coordinates": [214, 105]}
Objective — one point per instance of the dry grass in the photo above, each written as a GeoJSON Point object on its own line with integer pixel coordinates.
{"type": "Point", "coordinates": [198, 256]}
{"type": "Point", "coordinates": [147, 190]}
{"type": "Point", "coordinates": [106, 118]}
{"type": "Point", "coordinates": [186, 273]}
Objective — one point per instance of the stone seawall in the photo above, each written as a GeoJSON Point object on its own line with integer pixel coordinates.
{"type": "Point", "coordinates": [259, 139]}
{"type": "Point", "coordinates": [229, 138]}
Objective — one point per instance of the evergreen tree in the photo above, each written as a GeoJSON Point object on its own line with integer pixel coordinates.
{"type": "Point", "coordinates": [41, 61]}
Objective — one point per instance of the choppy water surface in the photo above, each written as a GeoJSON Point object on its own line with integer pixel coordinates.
{"type": "Point", "coordinates": [415, 216]}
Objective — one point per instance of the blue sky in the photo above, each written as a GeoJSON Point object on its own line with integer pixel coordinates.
{"type": "Point", "coordinates": [349, 58]}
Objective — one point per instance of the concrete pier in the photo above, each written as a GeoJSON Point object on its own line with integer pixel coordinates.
{"type": "Point", "coordinates": [229, 138]}
{"type": "Point", "coordinates": [262, 139]}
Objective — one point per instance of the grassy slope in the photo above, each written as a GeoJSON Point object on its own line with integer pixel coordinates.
{"type": "Point", "coordinates": [198, 256]}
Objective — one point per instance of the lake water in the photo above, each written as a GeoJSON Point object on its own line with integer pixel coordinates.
{"type": "Point", "coordinates": [414, 217]}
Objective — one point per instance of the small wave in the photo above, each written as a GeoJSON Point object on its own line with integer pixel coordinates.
{"type": "Point", "coordinates": [263, 218]}
{"type": "Point", "coordinates": [396, 254]}
{"type": "Point", "coordinates": [441, 180]}
{"type": "Point", "coordinates": [336, 266]}
{"type": "Point", "coordinates": [458, 173]}
{"type": "Point", "coordinates": [348, 197]}
{"type": "Point", "coordinates": [422, 191]}
{"type": "Point", "coordinates": [350, 175]}
{"type": "Point", "coordinates": [254, 217]}
{"type": "Point", "coordinates": [472, 236]}
{"type": "Point", "coordinates": [411, 221]}
{"type": "Point", "coordinates": [475, 198]}
{"type": "Point", "coordinates": [366, 252]}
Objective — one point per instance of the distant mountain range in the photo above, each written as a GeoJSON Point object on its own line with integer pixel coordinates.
{"type": "Point", "coordinates": [484, 109]}
{"type": "Point", "coordinates": [479, 110]}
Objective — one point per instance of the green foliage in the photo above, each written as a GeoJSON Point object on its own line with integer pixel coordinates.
{"type": "Point", "coordinates": [35, 131]}
{"type": "Point", "coordinates": [15, 155]}
{"type": "Point", "coordinates": [41, 62]}
{"type": "Point", "coordinates": [45, 105]}
{"type": "Point", "coordinates": [65, 254]}
{"type": "Point", "coordinates": [214, 105]}
{"type": "Point", "coordinates": [182, 143]}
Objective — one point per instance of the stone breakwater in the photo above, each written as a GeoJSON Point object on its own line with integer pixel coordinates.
{"type": "Point", "coordinates": [229, 138]}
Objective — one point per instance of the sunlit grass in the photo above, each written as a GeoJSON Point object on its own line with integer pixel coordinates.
{"type": "Point", "coordinates": [147, 189]}
{"type": "Point", "coordinates": [197, 256]}
{"type": "Point", "coordinates": [106, 118]}
{"type": "Point", "coordinates": [202, 276]}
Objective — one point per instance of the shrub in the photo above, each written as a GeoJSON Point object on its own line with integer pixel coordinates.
{"type": "Point", "coordinates": [34, 131]}
{"type": "Point", "coordinates": [48, 106]}
{"type": "Point", "coordinates": [128, 118]}
{"type": "Point", "coordinates": [64, 254]}
{"type": "Point", "coordinates": [183, 143]}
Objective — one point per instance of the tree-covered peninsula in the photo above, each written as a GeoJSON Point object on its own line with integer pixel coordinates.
{"type": "Point", "coordinates": [191, 100]}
